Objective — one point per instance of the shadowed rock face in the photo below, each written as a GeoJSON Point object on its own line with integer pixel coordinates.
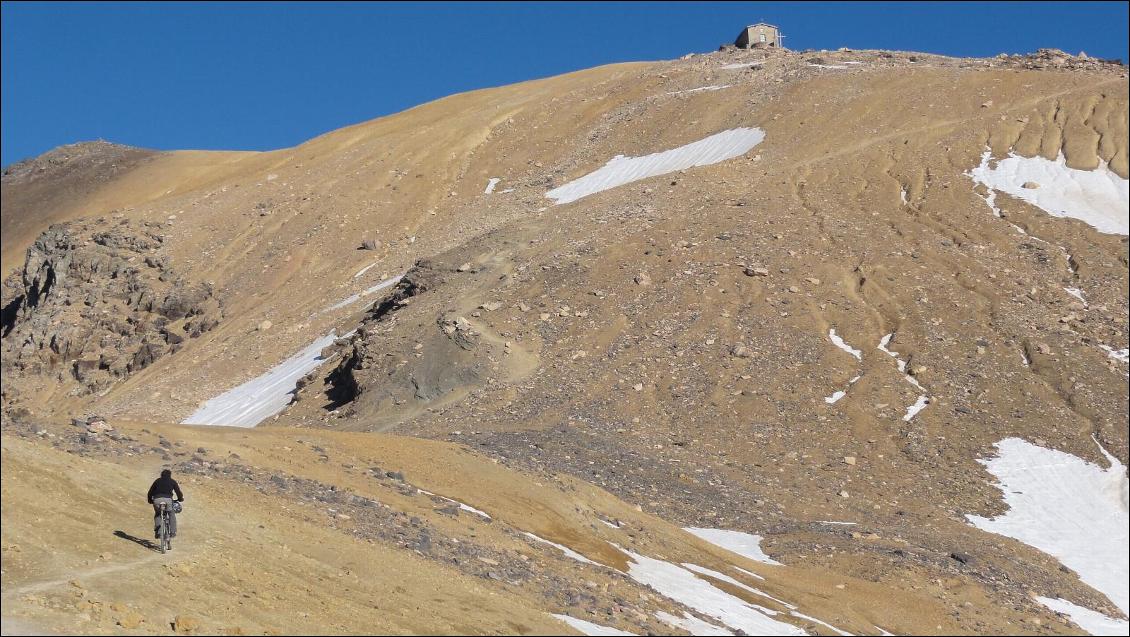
{"type": "Point", "coordinates": [368, 375]}
{"type": "Point", "coordinates": [95, 302]}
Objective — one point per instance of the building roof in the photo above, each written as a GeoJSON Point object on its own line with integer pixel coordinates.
{"type": "Point", "coordinates": [761, 24]}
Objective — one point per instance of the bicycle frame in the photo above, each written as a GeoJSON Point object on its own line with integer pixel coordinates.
{"type": "Point", "coordinates": [164, 527]}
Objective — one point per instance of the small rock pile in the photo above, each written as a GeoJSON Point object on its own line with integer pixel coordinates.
{"type": "Point", "coordinates": [1056, 59]}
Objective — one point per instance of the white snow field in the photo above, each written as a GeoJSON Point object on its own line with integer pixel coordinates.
{"type": "Point", "coordinates": [1087, 619]}
{"type": "Point", "coordinates": [266, 395]}
{"type": "Point", "coordinates": [622, 170]}
{"type": "Point", "coordinates": [589, 628]}
{"type": "Point", "coordinates": [1068, 508]}
{"type": "Point", "coordinates": [1098, 197]}
{"type": "Point", "coordinates": [744, 544]}
{"type": "Point", "coordinates": [685, 587]}
{"type": "Point", "coordinates": [263, 396]}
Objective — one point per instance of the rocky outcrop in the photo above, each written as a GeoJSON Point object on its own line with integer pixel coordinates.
{"type": "Point", "coordinates": [1056, 59]}
{"type": "Point", "coordinates": [96, 302]}
{"type": "Point", "coordinates": [97, 156]}
{"type": "Point", "coordinates": [364, 355]}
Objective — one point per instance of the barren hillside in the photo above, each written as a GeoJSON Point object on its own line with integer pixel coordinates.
{"type": "Point", "coordinates": [858, 317]}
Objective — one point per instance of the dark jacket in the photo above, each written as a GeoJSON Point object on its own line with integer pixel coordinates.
{"type": "Point", "coordinates": [165, 488]}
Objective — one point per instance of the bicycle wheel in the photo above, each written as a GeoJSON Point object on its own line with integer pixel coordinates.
{"type": "Point", "coordinates": [164, 529]}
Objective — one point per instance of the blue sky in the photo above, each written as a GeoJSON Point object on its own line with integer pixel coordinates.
{"type": "Point", "coordinates": [258, 76]}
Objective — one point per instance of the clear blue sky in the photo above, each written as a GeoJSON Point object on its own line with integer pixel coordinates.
{"type": "Point", "coordinates": [262, 76]}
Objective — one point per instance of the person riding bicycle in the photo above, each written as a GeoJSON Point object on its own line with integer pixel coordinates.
{"type": "Point", "coordinates": [161, 492]}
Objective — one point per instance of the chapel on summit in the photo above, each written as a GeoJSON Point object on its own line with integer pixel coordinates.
{"type": "Point", "coordinates": [758, 36]}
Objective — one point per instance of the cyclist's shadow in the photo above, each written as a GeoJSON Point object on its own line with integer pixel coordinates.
{"type": "Point", "coordinates": [137, 540]}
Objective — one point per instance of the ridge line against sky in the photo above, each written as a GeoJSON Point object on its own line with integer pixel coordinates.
{"type": "Point", "coordinates": [260, 76]}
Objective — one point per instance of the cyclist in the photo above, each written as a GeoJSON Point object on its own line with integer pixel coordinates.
{"type": "Point", "coordinates": [162, 490]}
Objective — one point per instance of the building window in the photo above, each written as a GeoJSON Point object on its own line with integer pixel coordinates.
{"type": "Point", "coordinates": [763, 37]}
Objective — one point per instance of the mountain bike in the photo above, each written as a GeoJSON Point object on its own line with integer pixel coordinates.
{"type": "Point", "coordinates": [164, 527]}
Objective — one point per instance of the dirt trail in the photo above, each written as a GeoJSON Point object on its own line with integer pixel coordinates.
{"type": "Point", "coordinates": [80, 575]}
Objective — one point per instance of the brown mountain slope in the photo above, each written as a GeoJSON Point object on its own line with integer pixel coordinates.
{"type": "Point", "coordinates": [667, 341]}
{"type": "Point", "coordinates": [302, 531]}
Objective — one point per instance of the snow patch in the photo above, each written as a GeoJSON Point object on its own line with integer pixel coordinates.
{"type": "Point", "coordinates": [1098, 197]}
{"type": "Point", "coordinates": [883, 342]}
{"type": "Point", "coordinates": [1068, 508]}
{"type": "Point", "coordinates": [712, 87]}
{"type": "Point", "coordinates": [263, 396]}
{"type": "Point", "coordinates": [365, 269]}
{"type": "Point", "coordinates": [491, 184]}
{"type": "Point", "coordinates": [470, 509]}
{"type": "Point", "coordinates": [722, 577]}
{"type": "Point", "coordinates": [817, 621]}
{"type": "Point", "coordinates": [918, 406]}
{"type": "Point", "coordinates": [991, 201]}
{"type": "Point", "coordinates": [1120, 355]}
{"type": "Point", "coordinates": [691, 624]}
{"type": "Point", "coordinates": [622, 170]}
{"type": "Point", "coordinates": [1087, 619]}
{"type": "Point", "coordinates": [840, 394]}
{"type": "Point", "coordinates": [353, 298]}
{"type": "Point", "coordinates": [464, 507]}
{"type": "Point", "coordinates": [1077, 293]}
{"type": "Point", "coordinates": [839, 342]}
{"type": "Point", "coordinates": [564, 549]}
{"type": "Point", "coordinates": [741, 65]}
{"type": "Point", "coordinates": [747, 545]}
{"type": "Point", "coordinates": [745, 572]}
{"type": "Point", "coordinates": [685, 587]}
{"type": "Point", "coordinates": [589, 628]}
